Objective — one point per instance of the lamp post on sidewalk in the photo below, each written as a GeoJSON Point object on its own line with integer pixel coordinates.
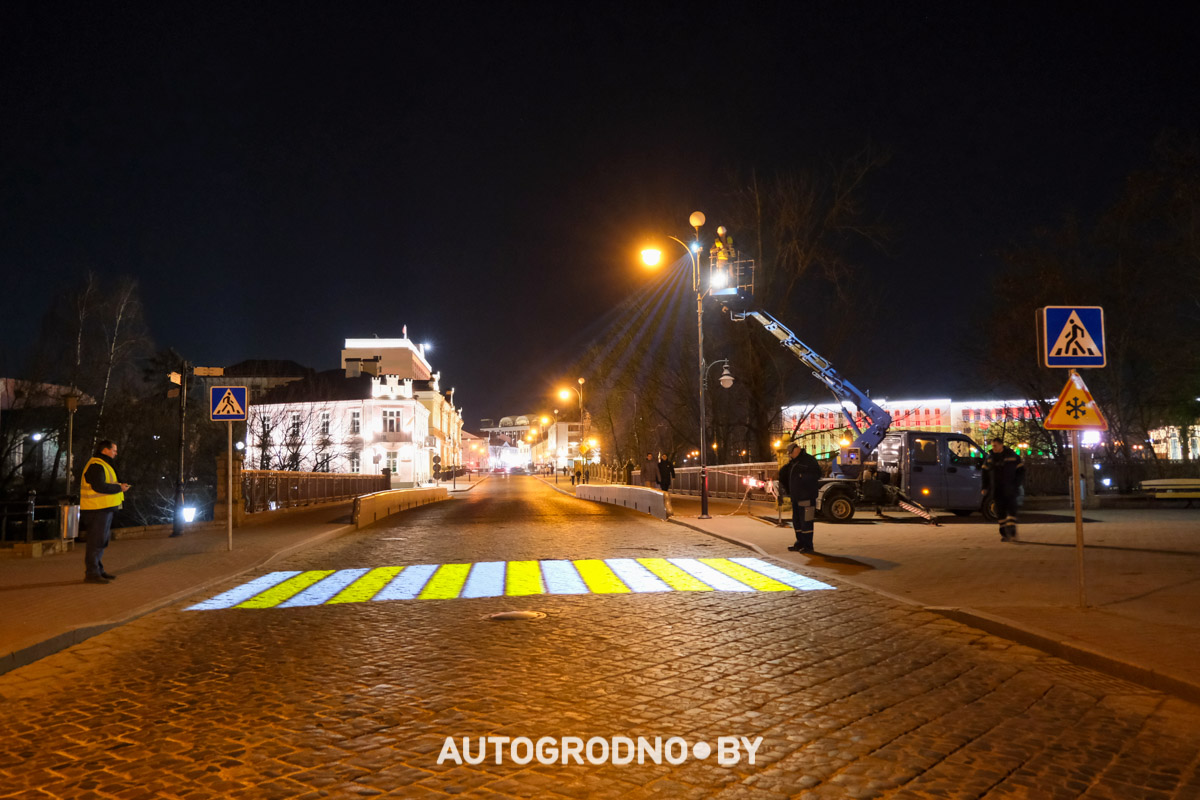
{"type": "Point", "coordinates": [651, 257]}
{"type": "Point", "coordinates": [565, 394]}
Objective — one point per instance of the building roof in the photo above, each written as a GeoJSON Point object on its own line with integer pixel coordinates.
{"type": "Point", "coordinates": [321, 387]}
{"type": "Point", "coordinates": [268, 368]}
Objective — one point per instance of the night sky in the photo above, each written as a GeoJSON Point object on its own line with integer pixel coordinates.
{"type": "Point", "coordinates": [282, 176]}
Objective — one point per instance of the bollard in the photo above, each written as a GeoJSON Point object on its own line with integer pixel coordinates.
{"type": "Point", "coordinates": [29, 517]}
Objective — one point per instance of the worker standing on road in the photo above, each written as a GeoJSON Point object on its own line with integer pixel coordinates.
{"type": "Point", "coordinates": [804, 475]}
{"type": "Point", "coordinates": [100, 495]}
{"type": "Point", "coordinates": [1003, 471]}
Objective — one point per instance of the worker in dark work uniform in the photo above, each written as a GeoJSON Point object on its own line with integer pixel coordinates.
{"type": "Point", "coordinates": [1003, 471]}
{"type": "Point", "coordinates": [804, 475]}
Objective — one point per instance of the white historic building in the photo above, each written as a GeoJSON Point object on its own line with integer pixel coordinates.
{"type": "Point", "coordinates": [384, 410]}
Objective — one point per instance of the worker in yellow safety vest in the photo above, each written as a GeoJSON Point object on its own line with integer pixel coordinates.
{"type": "Point", "coordinates": [100, 495]}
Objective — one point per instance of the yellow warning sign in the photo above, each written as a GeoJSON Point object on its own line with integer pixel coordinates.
{"type": "Point", "coordinates": [1075, 410]}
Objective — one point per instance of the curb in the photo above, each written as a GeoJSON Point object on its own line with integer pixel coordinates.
{"type": "Point", "coordinates": [55, 644]}
{"type": "Point", "coordinates": [1030, 637]}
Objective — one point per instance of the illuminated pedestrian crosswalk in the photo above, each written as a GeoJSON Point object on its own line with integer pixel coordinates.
{"type": "Point", "coordinates": [293, 588]}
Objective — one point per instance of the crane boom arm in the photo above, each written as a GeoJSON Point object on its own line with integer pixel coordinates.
{"type": "Point", "coordinates": [868, 438]}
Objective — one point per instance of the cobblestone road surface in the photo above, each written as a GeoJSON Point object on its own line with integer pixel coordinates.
{"type": "Point", "coordinates": [853, 695]}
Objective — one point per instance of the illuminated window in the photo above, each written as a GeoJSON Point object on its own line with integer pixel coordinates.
{"type": "Point", "coordinates": [391, 462]}
{"type": "Point", "coordinates": [391, 421]}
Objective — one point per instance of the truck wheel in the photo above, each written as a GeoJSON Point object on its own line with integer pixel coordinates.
{"type": "Point", "coordinates": [989, 510]}
{"type": "Point", "coordinates": [838, 508]}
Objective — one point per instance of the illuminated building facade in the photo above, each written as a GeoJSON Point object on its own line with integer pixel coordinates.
{"type": "Point", "coordinates": [359, 419]}
{"type": "Point", "coordinates": [823, 427]}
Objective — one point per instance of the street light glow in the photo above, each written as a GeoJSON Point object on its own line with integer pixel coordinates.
{"type": "Point", "coordinates": [565, 394]}
{"type": "Point", "coordinates": [651, 257]}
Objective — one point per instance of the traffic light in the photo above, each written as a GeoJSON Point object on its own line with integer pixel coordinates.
{"type": "Point", "coordinates": [437, 460]}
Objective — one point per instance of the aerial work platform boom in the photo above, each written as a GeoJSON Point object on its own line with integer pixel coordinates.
{"type": "Point", "coordinates": [870, 435]}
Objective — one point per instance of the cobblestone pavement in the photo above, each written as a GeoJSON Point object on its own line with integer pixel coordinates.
{"type": "Point", "coordinates": [854, 695]}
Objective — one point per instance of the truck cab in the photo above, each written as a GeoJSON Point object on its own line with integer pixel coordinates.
{"type": "Point", "coordinates": [937, 470]}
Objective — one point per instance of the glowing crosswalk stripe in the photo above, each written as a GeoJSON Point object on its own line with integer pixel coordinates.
{"type": "Point", "coordinates": [637, 577]}
{"type": "Point", "coordinates": [244, 592]}
{"type": "Point", "coordinates": [408, 584]}
{"type": "Point", "coordinates": [289, 589]}
{"type": "Point", "coordinates": [562, 578]}
{"type": "Point", "coordinates": [717, 580]}
{"type": "Point", "coordinates": [782, 575]}
{"type": "Point", "coordinates": [524, 577]}
{"type": "Point", "coordinates": [486, 580]}
{"type": "Point", "coordinates": [599, 578]}
{"type": "Point", "coordinates": [367, 586]}
{"type": "Point", "coordinates": [324, 590]}
{"type": "Point", "coordinates": [746, 575]}
{"type": "Point", "coordinates": [292, 586]}
{"type": "Point", "coordinates": [446, 583]}
{"type": "Point", "coordinates": [676, 578]}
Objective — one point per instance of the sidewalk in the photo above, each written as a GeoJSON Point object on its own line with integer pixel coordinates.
{"type": "Point", "coordinates": [1141, 576]}
{"type": "Point", "coordinates": [45, 606]}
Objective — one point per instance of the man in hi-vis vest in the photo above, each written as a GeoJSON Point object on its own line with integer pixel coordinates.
{"type": "Point", "coordinates": [100, 495]}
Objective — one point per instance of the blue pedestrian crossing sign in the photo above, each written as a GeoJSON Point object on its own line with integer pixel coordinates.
{"type": "Point", "coordinates": [227, 403]}
{"type": "Point", "coordinates": [1073, 336]}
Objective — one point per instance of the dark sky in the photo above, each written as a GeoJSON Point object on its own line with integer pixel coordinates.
{"type": "Point", "coordinates": [282, 176]}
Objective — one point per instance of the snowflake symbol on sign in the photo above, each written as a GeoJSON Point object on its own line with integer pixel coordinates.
{"type": "Point", "coordinates": [1076, 408]}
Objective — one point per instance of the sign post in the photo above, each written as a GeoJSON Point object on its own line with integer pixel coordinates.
{"type": "Point", "coordinates": [228, 404]}
{"type": "Point", "coordinates": [1076, 411]}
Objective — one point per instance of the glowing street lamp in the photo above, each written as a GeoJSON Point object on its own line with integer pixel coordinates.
{"type": "Point", "coordinates": [652, 257]}
{"type": "Point", "coordinates": [565, 394]}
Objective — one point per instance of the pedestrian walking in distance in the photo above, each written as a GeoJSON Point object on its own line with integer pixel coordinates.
{"type": "Point", "coordinates": [666, 473]}
{"type": "Point", "coordinates": [804, 475]}
{"type": "Point", "coordinates": [100, 495]}
{"type": "Point", "coordinates": [1003, 471]}
{"type": "Point", "coordinates": [650, 472]}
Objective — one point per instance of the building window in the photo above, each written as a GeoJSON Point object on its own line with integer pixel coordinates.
{"type": "Point", "coordinates": [355, 463]}
{"type": "Point", "coordinates": [391, 463]}
{"type": "Point", "coordinates": [391, 421]}
{"type": "Point", "coordinates": [324, 423]}
{"type": "Point", "coordinates": [295, 427]}
{"type": "Point", "coordinates": [355, 424]}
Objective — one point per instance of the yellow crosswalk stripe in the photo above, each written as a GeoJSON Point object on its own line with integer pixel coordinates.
{"type": "Point", "coordinates": [446, 583]}
{"type": "Point", "coordinates": [746, 575]}
{"type": "Point", "coordinates": [524, 577]}
{"type": "Point", "coordinates": [599, 577]}
{"type": "Point", "coordinates": [365, 587]}
{"type": "Point", "coordinates": [292, 586]}
{"type": "Point", "coordinates": [675, 577]}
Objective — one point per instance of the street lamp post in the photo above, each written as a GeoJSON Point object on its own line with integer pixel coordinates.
{"type": "Point", "coordinates": [565, 394]}
{"type": "Point", "coordinates": [697, 221]}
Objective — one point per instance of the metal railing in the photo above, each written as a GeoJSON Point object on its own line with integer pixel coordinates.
{"type": "Point", "coordinates": [23, 515]}
{"type": "Point", "coordinates": [724, 480]}
{"type": "Point", "coordinates": [269, 490]}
